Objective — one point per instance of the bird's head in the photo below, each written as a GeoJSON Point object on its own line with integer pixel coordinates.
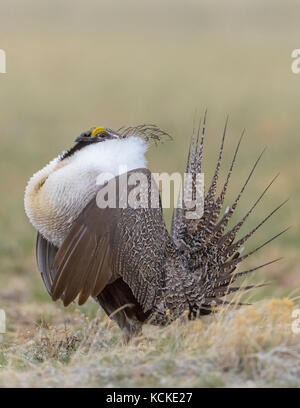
{"type": "Point", "coordinates": [94, 135]}
{"type": "Point", "coordinates": [97, 134]}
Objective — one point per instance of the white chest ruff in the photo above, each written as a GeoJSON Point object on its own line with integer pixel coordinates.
{"type": "Point", "coordinates": [57, 194]}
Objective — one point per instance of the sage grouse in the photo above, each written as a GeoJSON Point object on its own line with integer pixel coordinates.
{"type": "Point", "coordinates": [124, 257]}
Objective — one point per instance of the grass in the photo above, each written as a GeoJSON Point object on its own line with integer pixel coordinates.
{"type": "Point", "coordinates": [252, 347]}
{"type": "Point", "coordinates": [70, 68]}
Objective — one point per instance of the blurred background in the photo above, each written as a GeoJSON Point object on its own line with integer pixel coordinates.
{"type": "Point", "coordinates": [75, 64]}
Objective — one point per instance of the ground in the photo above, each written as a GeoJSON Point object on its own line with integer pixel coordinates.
{"type": "Point", "coordinates": [252, 346]}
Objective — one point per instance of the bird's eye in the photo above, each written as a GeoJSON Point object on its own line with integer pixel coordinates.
{"type": "Point", "coordinates": [86, 134]}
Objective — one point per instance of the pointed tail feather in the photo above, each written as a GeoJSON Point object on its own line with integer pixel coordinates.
{"type": "Point", "coordinates": [208, 252]}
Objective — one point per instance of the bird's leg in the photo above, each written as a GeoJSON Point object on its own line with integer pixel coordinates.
{"type": "Point", "coordinates": [132, 329]}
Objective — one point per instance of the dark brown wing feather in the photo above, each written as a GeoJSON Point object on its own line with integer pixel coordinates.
{"type": "Point", "coordinates": [45, 254]}
{"type": "Point", "coordinates": [105, 244]}
{"type": "Point", "coordinates": [116, 299]}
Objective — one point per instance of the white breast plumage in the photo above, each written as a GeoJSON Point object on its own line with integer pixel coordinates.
{"type": "Point", "coordinates": [57, 194]}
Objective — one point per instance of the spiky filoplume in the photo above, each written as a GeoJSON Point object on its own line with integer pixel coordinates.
{"type": "Point", "coordinates": [146, 131]}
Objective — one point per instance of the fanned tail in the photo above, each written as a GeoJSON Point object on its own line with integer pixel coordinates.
{"type": "Point", "coordinates": [209, 252]}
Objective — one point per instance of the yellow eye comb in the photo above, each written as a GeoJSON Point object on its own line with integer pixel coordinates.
{"type": "Point", "coordinates": [97, 130]}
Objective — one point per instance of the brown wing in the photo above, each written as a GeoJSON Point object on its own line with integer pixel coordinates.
{"type": "Point", "coordinates": [45, 254]}
{"type": "Point", "coordinates": [116, 299]}
{"type": "Point", "coordinates": [105, 244]}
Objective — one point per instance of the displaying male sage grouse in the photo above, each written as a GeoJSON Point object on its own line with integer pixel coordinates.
{"type": "Point", "coordinates": [124, 257]}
